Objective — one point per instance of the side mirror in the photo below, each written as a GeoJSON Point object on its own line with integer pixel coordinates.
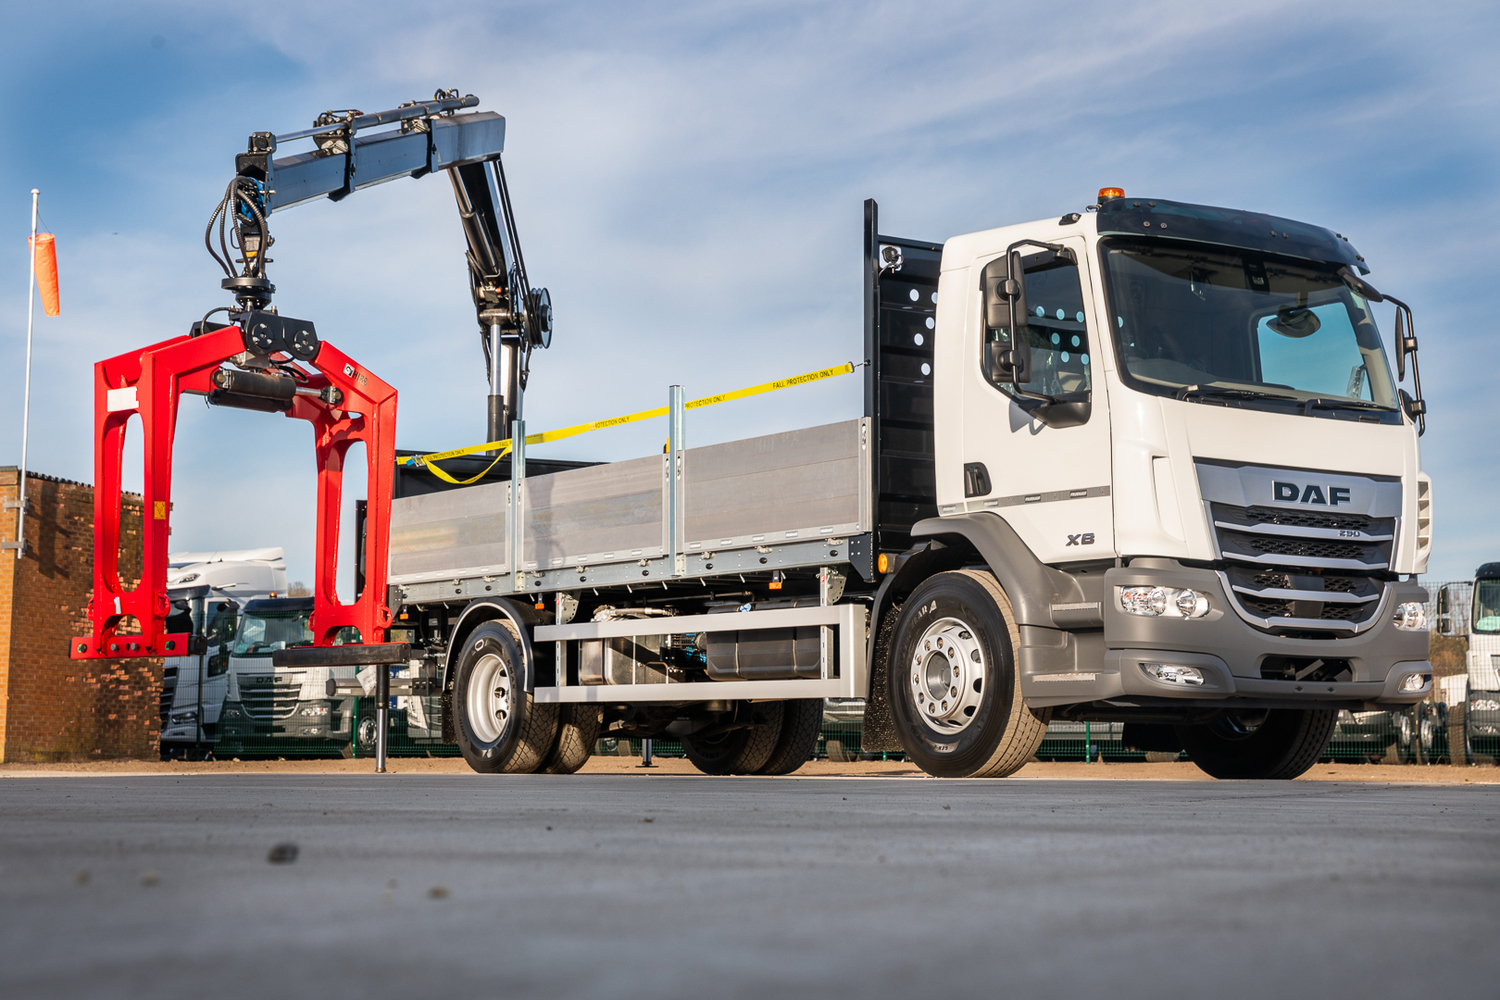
{"type": "Point", "coordinates": [1004, 287]}
{"type": "Point", "coordinates": [1004, 291]}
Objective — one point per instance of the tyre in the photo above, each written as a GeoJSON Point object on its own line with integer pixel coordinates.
{"type": "Point", "coordinates": [1282, 744]}
{"type": "Point", "coordinates": [1406, 736]}
{"type": "Point", "coordinates": [1427, 734]}
{"type": "Point", "coordinates": [577, 734]}
{"type": "Point", "coordinates": [738, 751]}
{"type": "Point", "coordinates": [499, 728]}
{"type": "Point", "coordinates": [1460, 751]}
{"type": "Point", "coordinates": [954, 690]}
{"type": "Point", "coordinates": [801, 722]}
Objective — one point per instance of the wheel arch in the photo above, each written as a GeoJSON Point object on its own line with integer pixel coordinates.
{"type": "Point", "coordinates": [486, 609]}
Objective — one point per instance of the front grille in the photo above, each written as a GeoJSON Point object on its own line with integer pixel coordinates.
{"type": "Point", "coordinates": [1292, 570]}
{"type": "Point", "coordinates": [265, 698]}
{"type": "Point", "coordinates": [1305, 547]}
{"type": "Point", "coordinates": [1252, 516]}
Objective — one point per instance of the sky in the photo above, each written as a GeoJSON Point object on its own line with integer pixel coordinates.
{"type": "Point", "coordinates": [688, 181]}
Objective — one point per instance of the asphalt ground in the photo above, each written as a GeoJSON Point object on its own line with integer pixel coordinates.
{"type": "Point", "coordinates": [423, 885]}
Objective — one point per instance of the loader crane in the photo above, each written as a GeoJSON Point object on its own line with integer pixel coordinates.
{"type": "Point", "coordinates": [261, 360]}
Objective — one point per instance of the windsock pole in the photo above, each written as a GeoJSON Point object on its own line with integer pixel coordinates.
{"type": "Point", "coordinates": [26, 394]}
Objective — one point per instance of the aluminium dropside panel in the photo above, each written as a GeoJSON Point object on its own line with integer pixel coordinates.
{"type": "Point", "coordinates": [796, 486]}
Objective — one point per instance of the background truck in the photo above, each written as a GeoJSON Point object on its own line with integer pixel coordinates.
{"type": "Point", "coordinates": [1144, 463]}
{"type": "Point", "coordinates": [207, 591]}
{"type": "Point", "coordinates": [1472, 612]}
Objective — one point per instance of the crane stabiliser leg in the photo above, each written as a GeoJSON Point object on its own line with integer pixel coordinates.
{"type": "Point", "coordinates": [344, 403]}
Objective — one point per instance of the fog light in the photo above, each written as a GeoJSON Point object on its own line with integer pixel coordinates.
{"type": "Point", "coordinates": [1411, 617]}
{"type": "Point", "coordinates": [1415, 682]}
{"type": "Point", "coordinates": [1174, 673]}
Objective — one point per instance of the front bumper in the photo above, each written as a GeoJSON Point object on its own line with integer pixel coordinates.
{"type": "Point", "coordinates": [1228, 652]}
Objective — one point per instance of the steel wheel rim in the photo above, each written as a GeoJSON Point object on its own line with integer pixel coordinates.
{"type": "Point", "coordinates": [488, 699]}
{"type": "Point", "coordinates": [946, 675]}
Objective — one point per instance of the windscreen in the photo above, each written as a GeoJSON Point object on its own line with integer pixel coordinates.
{"type": "Point", "coordinates": [1200, 321]}
{"type": "Point", "coordinates": [261, 633]}
{"type": "Point", "coordinates": [1487, 606]}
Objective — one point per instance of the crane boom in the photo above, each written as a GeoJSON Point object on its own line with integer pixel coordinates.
{"type": "Point", "coordinates": [426, 136]}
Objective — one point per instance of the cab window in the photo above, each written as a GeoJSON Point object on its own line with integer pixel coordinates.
{"type": "Point", "coordinates": [1054, 327]}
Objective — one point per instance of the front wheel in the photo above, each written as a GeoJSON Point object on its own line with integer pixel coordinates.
{"type": "Point", "coordinates": [499, 728]}
{"type": "Point", "coordinates": [954, 689]}
{"type": "Point", "coordinates": [1276, 744]}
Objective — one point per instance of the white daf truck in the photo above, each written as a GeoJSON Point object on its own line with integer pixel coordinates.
{"type": "Point", "coordinates": [208, 591]}
{"type": "Point", "coordinates": [1476, 620]}
{"type": "Point", "coordinates": [1144, 463]}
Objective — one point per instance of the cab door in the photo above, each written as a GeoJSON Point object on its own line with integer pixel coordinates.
{"type": "Point", "coordinates": [1051, 482]}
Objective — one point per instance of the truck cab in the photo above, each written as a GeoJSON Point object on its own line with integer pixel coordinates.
{"type": "Point", "coordinates": [1188, 413]}
{"type": "Point", "coordinates": [207, 591]}
{"type": "Point", "coordinates": [1476, 620]}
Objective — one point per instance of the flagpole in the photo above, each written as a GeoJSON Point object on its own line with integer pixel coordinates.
{"type": "Point", "coordinates": [26, 395]}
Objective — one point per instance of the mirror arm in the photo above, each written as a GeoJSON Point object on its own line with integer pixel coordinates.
{"type": "Point", "coordinates": [1406, 343]}
{"type": "Point", "coordinates": [1027, 393]}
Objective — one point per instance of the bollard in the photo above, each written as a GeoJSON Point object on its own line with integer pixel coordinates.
{"type": "Point", "coordinates": [645, 754]}
{"type": "Point", "coordinates": [382, 710]}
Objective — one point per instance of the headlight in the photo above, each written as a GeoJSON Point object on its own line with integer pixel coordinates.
{"type": "Point", "coordinates": [233, 712]}
{"type": "Point", "coordinates": [1163, 602]}
{"type": "Point", "coordinates": [1485, 705]}
{"type": "Point", "coordinates": [184, 718]}
{"type": "Point", "coordinates": [1411, 617]}
{"type": "Point", "coordinates": [315, 711]}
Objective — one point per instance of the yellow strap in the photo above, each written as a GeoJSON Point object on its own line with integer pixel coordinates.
{"type": "Point", "coordinates": [576, 429]}
{"type": "Point", "coordinates": [504, 450]}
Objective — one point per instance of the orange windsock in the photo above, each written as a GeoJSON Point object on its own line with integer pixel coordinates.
{"type": "Point", "coordinates": [46, 272]}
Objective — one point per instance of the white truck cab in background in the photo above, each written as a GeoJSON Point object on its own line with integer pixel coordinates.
{"type": "Point", "coordinates": [208, 590]}
{"type": "Point", "coordinates": [1476, 620]}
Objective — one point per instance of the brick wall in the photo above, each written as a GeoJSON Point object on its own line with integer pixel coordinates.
{"type": "Point", "coordinates": [53, 707]}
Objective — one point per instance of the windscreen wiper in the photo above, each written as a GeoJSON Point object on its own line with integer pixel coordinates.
{"type": "Point", "coordinates": [1189, 391]}
{"type": "Point", "coordinates": [1319, 403]}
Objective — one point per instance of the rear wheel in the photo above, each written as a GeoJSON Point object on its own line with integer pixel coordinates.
{"type": "Point", "coordinates": [1277, 744]}
{"type": "Point", "coordinates": [801, 722]}
{"type": "Point", "coordinates": [499, 728]}
{"type": "Point", "coordinates": [738, 751]}
{"type": "Point", "coordinates": [954, 690]}
{"type": "Point", "coordinates": [577, 733]}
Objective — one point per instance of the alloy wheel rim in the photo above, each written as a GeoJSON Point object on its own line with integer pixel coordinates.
{"type": "Point", "coordinates": [946, 675]}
